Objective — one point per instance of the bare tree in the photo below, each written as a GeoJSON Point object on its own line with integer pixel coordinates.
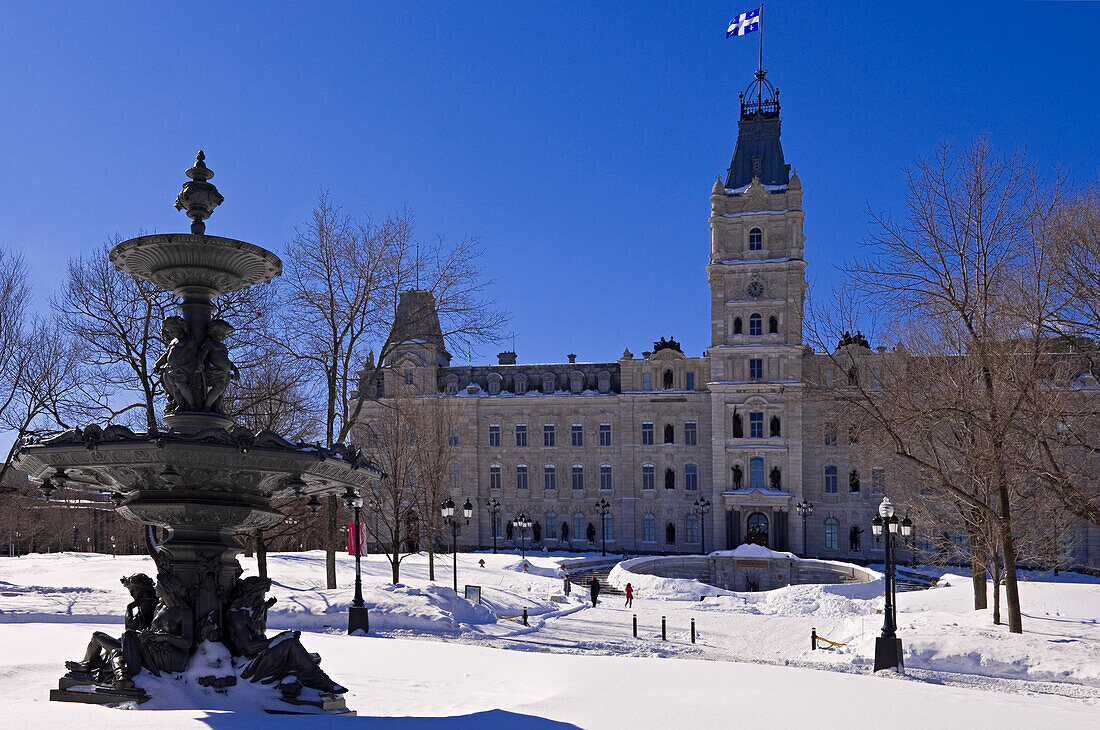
{"type": "Point", "coordinates": [393, 504]}
{"type": "Point", "coordinates": [435, 421]}
{"type": "Point", "coordinates": [948, 401]}
{"type": "Point", "coordinates": [341, 292]}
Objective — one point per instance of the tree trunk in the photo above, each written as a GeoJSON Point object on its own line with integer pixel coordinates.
{"type": "Point", "coordinates": [261, 553]}
{"type": "Point", "coordinates": [977, 576]}
{"type": "Point", "coordinates": [1008, 555]}
{"type": "Point", "coordinates": [431, 559]}
{"type": "Point", "coordinates": [996, 572]}
{"type": "Point", "coordinates": [330, 541]}
{"type": "Point", "coordinates": [395, 564]}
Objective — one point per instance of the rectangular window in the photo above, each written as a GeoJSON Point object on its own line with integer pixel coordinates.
{"type": "Point", "coordinates": [691, 436]}
{"type": "Point", "coordinates": [647, 434]}
{"type": "Point", "coordinates": [830, 479]}
{"type": "Point", "coordinates": [647, 382]}
{"type": "Point", "coordinates": [521, 434]}
{"type": "Point", "coordinates": [551, 525]}
{"type": "Point", "coordinates": [494, 435]}
{"type": "Point", "coordinates": [548, 434]}
{"type": "Point", "coordinates": [576, 433]}
{"type": "Point", "coordinates": [454, 476]}
{"type": "Point", "coordinates": [452, 440]}
{"type": "Point", "coordinates": [549, 480]}
{"type": "Point", "coordinates": [756, 369]}
{"type": "Point", "coordinates": [605, 434]}
{"type": "Point", "coordinates": [689, 382]}
{"type": "Point", "coordinates": [756, 425]}
{"type": "Point", "coordinates": [578, 477]}
{"type": "Point", "coordinates": [830, 434]}
{"type": "Point", "coordinates": [521, 476]}
{"type": "Point", "coordinates": [649, 478]}
{"type": "Point", "coordinates": [494, 476]}
{"type": "Point", "coordinates": [831, 530]}
{"type": "Point", "coordinates": [605, 478]}
{"type": "Point", "coordinates": [691, 478]}
{"type": "Point", "coordinates": [521, 386]}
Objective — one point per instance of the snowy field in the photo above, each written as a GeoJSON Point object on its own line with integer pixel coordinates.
{"type": "Point", "coordinates": [435, 661]}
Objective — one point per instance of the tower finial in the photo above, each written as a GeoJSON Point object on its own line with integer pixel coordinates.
{"type": "Point", "coordinates": [198, 196]}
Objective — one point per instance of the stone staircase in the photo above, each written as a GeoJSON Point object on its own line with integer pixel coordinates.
{"type": "Point", "coordinates": [582, 576]}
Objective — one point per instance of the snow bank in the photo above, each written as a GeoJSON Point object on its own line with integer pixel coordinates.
{"type": "Point", "coordinates": [755, 551]}
{"type": "Point", "coordinates": [652, 586]}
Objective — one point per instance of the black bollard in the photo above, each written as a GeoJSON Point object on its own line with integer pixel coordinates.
{"type": "Point", "coordinates": [664, 636]}
{"type": "Point", "coordinates": [635, 626]}
{"type": "Point", "coordinates": [813, 639]}
{"type": "Point", "coordinates": [525, 618]}
{"type": "Point", "coordinates": [693, 631]}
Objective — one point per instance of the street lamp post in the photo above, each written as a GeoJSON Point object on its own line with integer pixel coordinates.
{"type": "Point", "coordinates": [522, 523]}
{"type": "Point", "coordinates": [447, 509]}
{"type": "Point", "coordinates": [357, 613]}
{"type": "Point", "coordinates": [494, 511]}
{"type": "Point", "coordinates": [603, 508]}
{"type": "Point", "coordinates": [701, 508]}
{"type": "Point", "coordinates": [888, 650]}
{"type": "Point", "coordinates": [804, 510]}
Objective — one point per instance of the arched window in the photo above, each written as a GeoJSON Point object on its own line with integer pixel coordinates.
{"type": "Point", "coordinates": [830, 479]}
{"type": "Point", "coordinates": [773, 325]}
{"type": "Point", "coordinates": [576, 382]}
{"type": "Point", "coordinates": [775, 427]}
{"type": "Point", "coordinates": [603, 381]}
{"type": "Point", "coordinates": [756, 239]}
{"type": "Point", "coordinates": [670, 478]}
{"type": "Point", "coordinates": [494, 383]}
{"type": "Point", "coordinates": [756, 531]}
{"type": "Point", "coordinates": [736, 325]}
{"type": "Point", "coordinates": [578, 526]}
{"type": "Point", "coordinates": [649, 528]}
{"type": "Point", "coordinates": [670, 533]}
{"type": "Point", "coordinates": [756, 472]}
{"type": "Point", "coordinates": [853, 480]}
{"type": "Point", "coordinates": [756, 325]}
{"type": "Point", "coordinates": [832, 530]}
{"type": "Point", "coordinates": [691, 478]}
{"type": "Point", "coordinates": [670, 434]}
{"type": "Point", "coordinates": [691, 531]}
{"type": "Point", "coordinates": [547, 383]}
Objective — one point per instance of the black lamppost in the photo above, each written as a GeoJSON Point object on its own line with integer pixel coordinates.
{"type": "Point", "coordinates": [888, 651]}
{"type": "Point", "coordinates": [701, 508]}
{"type": "Point", "coordinates": [494, 511]}
{"type": "Point", "coordinates": [357, 613]}
{"type": "Point", "coordinates": [447, 509]}
{"type": "Point", "coordinates": [804, 510]}
{"type": "Point", "coordinates": [603, 508]}
{"type": "Point", "coordinates": [522, 523]}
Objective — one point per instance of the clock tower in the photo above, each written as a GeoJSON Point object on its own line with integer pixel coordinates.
{"type": "Point", "coordinates": [757, 284]}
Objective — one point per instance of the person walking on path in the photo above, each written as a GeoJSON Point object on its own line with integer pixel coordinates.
{"type": "Point", "coordinates": [566, 584]}
{"type": "Point", "coordinates": [629, 595]}
{"type": "Point", "coordinates": [594, 586]}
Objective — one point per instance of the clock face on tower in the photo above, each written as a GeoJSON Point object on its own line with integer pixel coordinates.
{"type": "Point", "coordinates": [756, 290]}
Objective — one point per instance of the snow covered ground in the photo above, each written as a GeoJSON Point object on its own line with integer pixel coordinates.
{"type": "Point", "coordinates": [433, 660]}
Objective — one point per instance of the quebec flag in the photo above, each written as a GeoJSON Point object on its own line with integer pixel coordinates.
{"type": "Point", "coordinates": [744, 23]}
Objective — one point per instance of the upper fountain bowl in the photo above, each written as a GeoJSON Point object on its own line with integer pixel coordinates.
{"type": "Point", "coordinates": [181, 261]}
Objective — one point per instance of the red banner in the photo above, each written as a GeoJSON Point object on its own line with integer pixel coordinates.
{"type": "Point", "coordinates": [362, 539]}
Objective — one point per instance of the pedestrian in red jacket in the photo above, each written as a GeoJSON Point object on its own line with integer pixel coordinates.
{"type": "Point", "coordinates": [629, 595]}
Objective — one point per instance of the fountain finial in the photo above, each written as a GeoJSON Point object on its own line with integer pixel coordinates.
{"type": "Point", "coordinates": [199, 197]}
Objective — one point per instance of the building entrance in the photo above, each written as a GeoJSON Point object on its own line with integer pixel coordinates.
{"type": "Point", "coordinates": [756, 531]}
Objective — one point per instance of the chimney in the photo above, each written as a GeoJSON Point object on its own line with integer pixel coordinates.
{"type": "Point", "coordinates": [506, 358]}
{"type": "Point", "coordinates": [572, 357]}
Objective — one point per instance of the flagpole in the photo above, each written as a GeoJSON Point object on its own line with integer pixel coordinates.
{"type": "Point", "coordinates": [760, 87]}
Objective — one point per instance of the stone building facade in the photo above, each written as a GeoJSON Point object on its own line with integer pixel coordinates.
{"type": "Point", "coordinates": [744, 427]}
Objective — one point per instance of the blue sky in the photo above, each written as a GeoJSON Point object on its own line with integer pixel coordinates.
{"type": "Point", "coordinates": [579, 141]}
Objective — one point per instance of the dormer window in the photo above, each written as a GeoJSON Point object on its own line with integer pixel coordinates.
{"type": "Point", "coordinates": [548, 384]}
{"type": "Point", "coordinates": [494, 383]}
{"type": "Point", "coordinates": [603, 381]}
{"type": "Point", "coordinates": [576, 382]}
{"type": "Point", "coordinates": [756, 239]}
{"type": "Point", "coordinates": [521, 384]}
